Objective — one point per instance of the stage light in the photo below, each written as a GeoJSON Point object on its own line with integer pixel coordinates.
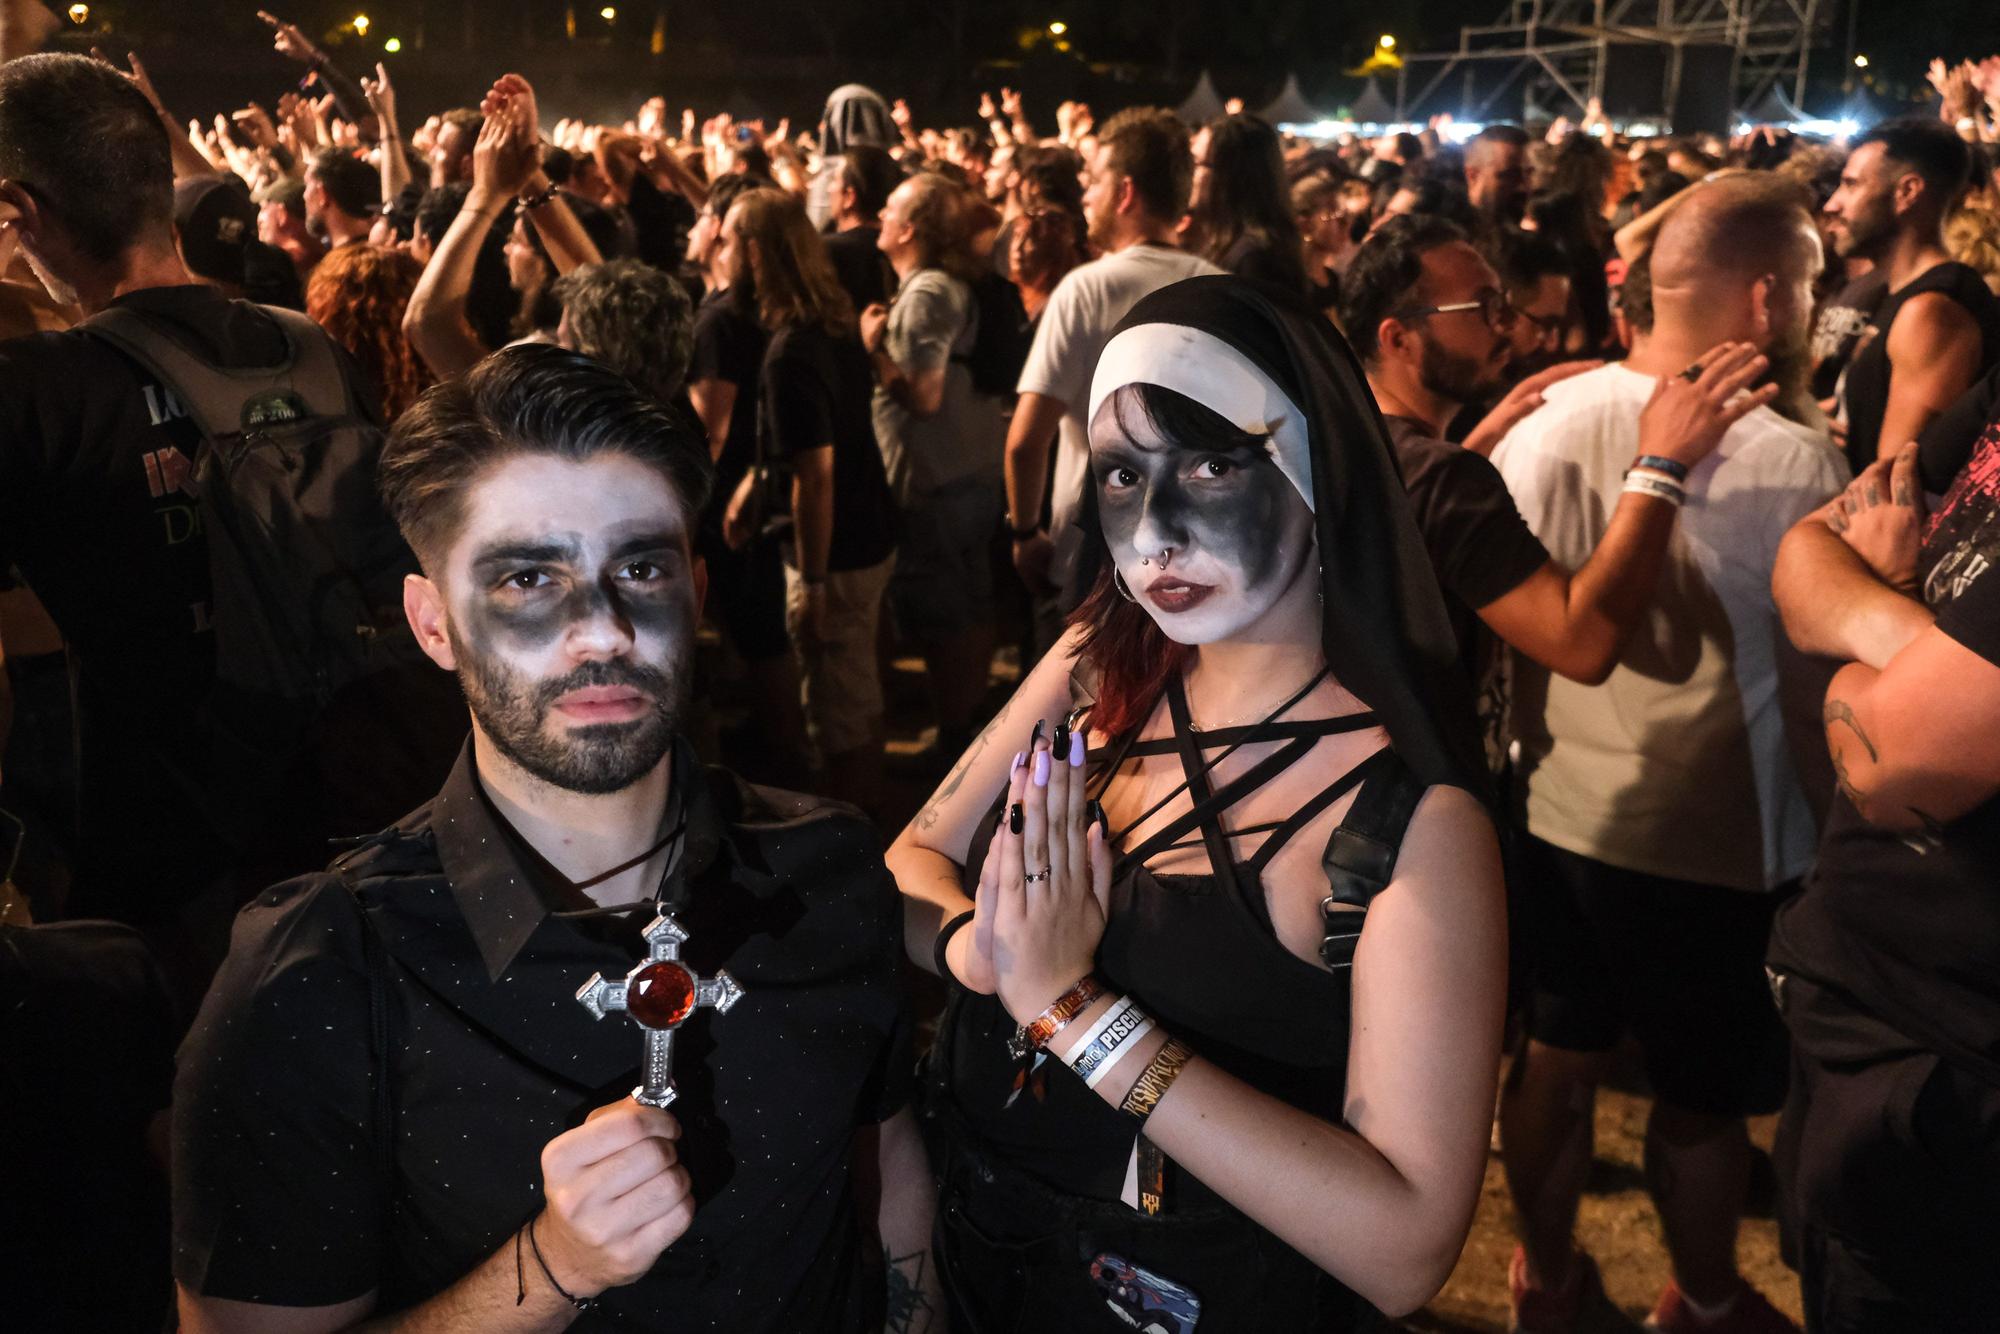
{"type": "Point", "coordinates": [608, 14]}
{"type": "Point", "coordinates": [1861, 62]}
{"type": "Point", "coordinates": [1386, 42]}
{"type": "Point", "coordinates": [79, 14]}
{"type": "Point", "coordinates": [361, 24]}
{"type": "Point", "coordinates": [393, 45]}
{"type": "Point", "coordinates": [1058, 28]}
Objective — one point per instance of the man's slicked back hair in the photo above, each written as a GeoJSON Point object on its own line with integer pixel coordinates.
{"type": "Point", "coordinates": [532, 398]}
{"type": "Point", "coordinates": [88, 145]}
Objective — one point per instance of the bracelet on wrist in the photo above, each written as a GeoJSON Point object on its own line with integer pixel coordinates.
{"type": "Point", "coordinates": [1659, 463]}
{"type": "Point", "coordinates": [539, 198]}
{"type": "Point", "coordinates": [580, 1303]}
{"type": "Point", "coordinates": [1024, 534]}
{"type": "Point", "coordinates": [1123, 1023]}
{"type": "Point", "coordinates": [945, 933]}
{"type": "Point", "coordinates": [1660, 488]}
{"type": "Point", "coordinates": [1039, 1031]}
{"type": "Point", "coordinates": [1156, 1079]}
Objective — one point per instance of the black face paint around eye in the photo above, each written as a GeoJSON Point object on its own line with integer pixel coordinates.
{"type": "Point", "coordinates": [1237, 518]}
{"type": "Point", "coordinates": [496, 631]}
{"type": "Point", "coordinates": [530, 624]}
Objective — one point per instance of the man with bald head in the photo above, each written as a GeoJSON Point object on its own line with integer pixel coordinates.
{"type": "Point", "coordinates": [1496, 174]}
{"type": "Point", "coordinates": [1663, 814]}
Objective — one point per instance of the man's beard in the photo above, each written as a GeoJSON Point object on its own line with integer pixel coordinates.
{"type": "Point", "coordinates": [1459, 378]}
{"type": "Point", "coordinates": [598, 758]}
{"type": "Point", "coordinates": [1099, 229]}
{"type": "Point", "coordinates": [1867, 235]}
{"type": "Point", "coordinates": [1791, 370]}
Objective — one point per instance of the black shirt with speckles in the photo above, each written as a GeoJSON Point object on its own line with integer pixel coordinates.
{"type": "Point", "coordinates": [282, 1193]}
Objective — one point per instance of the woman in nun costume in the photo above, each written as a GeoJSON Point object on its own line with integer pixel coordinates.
{"type": "Point", "coordinates": [1216, 897]}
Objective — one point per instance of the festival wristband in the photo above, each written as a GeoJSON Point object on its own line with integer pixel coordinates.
{"type": "Point", "coordinates": [1156, 1078]}
{"type": "Point", "coordinates": [1673, 468]}
{"type": "Point", "coordinates": [1037, 1032]}
{"type": "Point", "coordinates": [1120, 1025]}
{"type": "Point", "coordinates": [1660, 488]}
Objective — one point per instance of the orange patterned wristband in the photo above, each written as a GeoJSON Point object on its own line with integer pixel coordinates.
{"type": "Point", "coordinates": [1034, 1036]}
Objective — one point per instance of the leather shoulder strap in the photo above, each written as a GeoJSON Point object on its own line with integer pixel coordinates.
{"type": "Point", "coordinates": [1360, 857]}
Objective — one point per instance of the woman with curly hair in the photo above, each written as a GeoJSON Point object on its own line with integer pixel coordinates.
{"type": "Point", "coordinates": [358, 294]}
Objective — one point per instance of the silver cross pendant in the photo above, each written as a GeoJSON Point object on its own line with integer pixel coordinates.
{"type": "Point", "coordinates": [659, 994]}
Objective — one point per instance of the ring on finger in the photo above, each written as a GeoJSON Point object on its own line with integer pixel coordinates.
{"type": "Point", "coordinates": [1040, 875]}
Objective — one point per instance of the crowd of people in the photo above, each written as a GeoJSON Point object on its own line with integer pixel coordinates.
{"type": "Point", "coordinates": [1482, 604]}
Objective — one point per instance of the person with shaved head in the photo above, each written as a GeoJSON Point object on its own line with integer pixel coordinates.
{"type": "Point", "coordinates": [1664, 816]}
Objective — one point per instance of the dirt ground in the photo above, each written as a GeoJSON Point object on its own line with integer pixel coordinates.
{"type": "Point", "coordinates": [1617, 1224]}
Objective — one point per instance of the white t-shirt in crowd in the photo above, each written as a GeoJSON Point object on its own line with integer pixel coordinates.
{"type": "Point", "coordinates": [1677, 765]}
{"type": "Point", "coordinates": [1083, 310]}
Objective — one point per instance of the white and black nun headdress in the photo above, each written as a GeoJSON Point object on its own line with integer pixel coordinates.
{"type": "Point", "coordinates": [1266, 361]}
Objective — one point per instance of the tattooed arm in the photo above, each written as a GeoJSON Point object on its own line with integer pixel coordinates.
{"type": "Point", "coordinates": [1913, 744]}
{"type": "Point", "coordinates": [927, 857]}
{"type": "Point", "coordinates": [1833, 604]}
{"type": "Point", "coordinates": [893, 1175]}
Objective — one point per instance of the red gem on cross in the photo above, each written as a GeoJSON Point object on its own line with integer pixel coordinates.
{"type": "Point", "coordinates": [660, 995]}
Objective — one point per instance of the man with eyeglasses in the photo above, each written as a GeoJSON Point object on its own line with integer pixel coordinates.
{"type": "Point", "coordinates": [1434, 330]}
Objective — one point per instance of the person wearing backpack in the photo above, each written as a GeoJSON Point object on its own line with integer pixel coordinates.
{"type": "Point", "coordinates": [941, 438]}
{"type": "Point", "coordinates": [220, 606]}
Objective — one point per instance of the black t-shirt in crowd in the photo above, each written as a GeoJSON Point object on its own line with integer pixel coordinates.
{"type": "Point", "coordinates": [729, 346]}
{"type": "Point", "coordinates": [1947, 443]}
{"type": "Point", "coordinates": [1868, 374]}
{"type": "Point", "coordinates": [1838, 329]}
{"type": "Point", "coordinates": [97, 508]}
{"type": "Point", "coordinates": [1908, 929]}
{"type": "Point", "coordinates": [661, 221]}
{"type": "Point", "coordinates": [818, 390]}
{"type": "Point", "coordinates": [282, 1191]}
{"type": "Point", "coordinates": [861, 266]}
{"type": "Point", "coordinates": [1480, 546]}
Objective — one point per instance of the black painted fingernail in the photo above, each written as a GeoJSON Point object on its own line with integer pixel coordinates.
{"type": "Point", "coordinates": [1097, 814]}
{"type": "Point", "coordinates": [1059, 748]}
{"type": "Point", "coordinates": [1036, 736]}
{"type": "Point", "coordinates": [1014, 818]}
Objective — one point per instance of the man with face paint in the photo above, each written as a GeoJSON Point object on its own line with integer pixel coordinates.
{"type": "Point", "coordinates": [393, 1102]}
{"type": "Point", "coordinates": [1428, 318]}
{"type": "Point", "coordinates": [1665, 817]}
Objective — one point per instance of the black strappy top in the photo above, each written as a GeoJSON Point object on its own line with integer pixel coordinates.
{"type": "Point", "coordinates": [1199, 954]}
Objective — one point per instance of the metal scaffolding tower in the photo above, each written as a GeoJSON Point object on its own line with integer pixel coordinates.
{"type": "Point", "coordinates": [1568, 42]}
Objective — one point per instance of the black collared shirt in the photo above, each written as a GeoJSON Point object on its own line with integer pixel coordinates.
{"type": "Point", "coordinates": [282, 1193]}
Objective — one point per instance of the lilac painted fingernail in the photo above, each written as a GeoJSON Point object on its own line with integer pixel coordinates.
{"type": "Point", "coordinates": [1076, 749]}
{"type": "Point", "coordinates": [1041, 774]}
{"type": "Point", "coordinates": [1020, 758]}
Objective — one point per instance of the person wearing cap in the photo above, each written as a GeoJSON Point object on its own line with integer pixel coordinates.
{"type": "Point", "coordinates": [215, 230]}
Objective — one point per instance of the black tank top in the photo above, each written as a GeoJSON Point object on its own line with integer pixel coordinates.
{"type": "Point", "coordinates": [1867, 390]}
{"type": "Point", "coordinates": [1199, 954]}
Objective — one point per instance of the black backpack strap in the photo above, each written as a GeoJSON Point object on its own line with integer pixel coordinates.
{"type": "Point", "coordinates": [217, 397]}
{"type": "Point", "coordinates": [1360, 857]}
